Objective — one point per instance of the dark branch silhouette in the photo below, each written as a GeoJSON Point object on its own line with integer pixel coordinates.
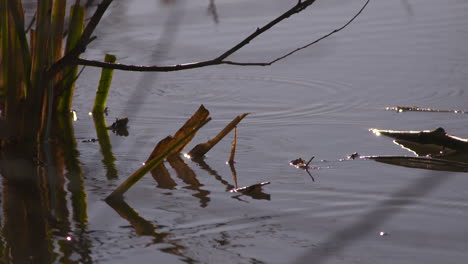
{"type": "Point", "coordinates": [85, 39]}
{"type": "Point", "coordinates": [72, 57]}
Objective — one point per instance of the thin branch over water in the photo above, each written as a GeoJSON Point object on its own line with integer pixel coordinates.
{"type": "Point", "coordinates": [300, 6]}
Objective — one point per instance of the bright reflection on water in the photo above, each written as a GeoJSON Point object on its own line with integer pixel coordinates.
{"type": "Point", "coordinates": [320, 102]}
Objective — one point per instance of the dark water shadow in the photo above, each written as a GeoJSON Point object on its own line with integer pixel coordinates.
{"type": "Point", "coordinates": [204, 166]}
{"type": "Point", "coordinates": [188, 176]}
{"type": "Point", "coordinates": [163, 178]}
{"type": "Point", "coordinates": [253, 191]}
{"type": "Point", "coordinates": [25, 224]}
{"type": "Point", "coordinates": [213, 11]}
{"type": "Point", "coordinates": [374, 218]}
{"type": "Point", "coordinates": [144, 227]}
{"type": "Point", "coordinates": [161, 48]}
{"type": "Point", "coordinates": [408, 7]}
{"type": "Point", "coordinates": [38, 224]}
{"type": "Point", "coordinates": [74, 174]}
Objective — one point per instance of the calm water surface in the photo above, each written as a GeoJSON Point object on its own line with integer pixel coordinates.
{"type": "Point", "coordinates": [320, 102]}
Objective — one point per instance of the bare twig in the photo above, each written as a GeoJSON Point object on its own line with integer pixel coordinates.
{"type": "Point", "coordinates": [300, 6]}
{"type": "Point", "coordinates": [323, 37]}
{"type": "Point", "coordinates": [57, 86]}
{"type": "Point", "coordinates": [31, 23]}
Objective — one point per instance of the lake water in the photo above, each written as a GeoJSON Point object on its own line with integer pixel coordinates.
{"type": "Point", "coordinates": [319, 102]}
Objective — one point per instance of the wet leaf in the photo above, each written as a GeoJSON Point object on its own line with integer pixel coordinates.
{"type": "Point", "coordinates": [436, 150]}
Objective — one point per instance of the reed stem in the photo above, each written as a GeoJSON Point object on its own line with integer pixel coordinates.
{"type": "Point", "coordinates": [104, 86]}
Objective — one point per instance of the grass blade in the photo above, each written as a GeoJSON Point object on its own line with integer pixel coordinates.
{"type": "Point", "coordinates": [75, 30]}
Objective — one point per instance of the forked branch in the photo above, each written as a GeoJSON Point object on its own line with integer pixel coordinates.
{"type": "Point", "coordinates": [300, 6]}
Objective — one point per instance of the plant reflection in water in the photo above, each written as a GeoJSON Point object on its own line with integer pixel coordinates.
{"type": "Point", "coordinates": [36, 221]}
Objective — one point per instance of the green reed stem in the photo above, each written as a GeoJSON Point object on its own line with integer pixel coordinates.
{"type": "Point", "coordinates": [69, 74]}
{"type": "Point", "coordinates": [58, 23]}
{"type": "Point", "coordinates": [18, 18]}
{"type": "Point", "coordinates": [104, 86]}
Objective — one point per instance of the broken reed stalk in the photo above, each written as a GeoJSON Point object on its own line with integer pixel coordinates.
{"type": "Point", "coordinates": [201, 149]}
{"type": "Point", "coordinates": [200, 116]}
{"type": "Point", "coordinates": [234, 173]}
{"type": "Point", "coordinates": [153, 163]}
{"type": "Point", "coordinates": [77, 16]}
{"type": "Point", "coordinates": [58, 21]}
{"type": "Point", "coordinates": [15, 57]}
{"type": "Point", "coordinates": [160, 173]}
{"type": "Point", "coordinates": [233, 147]}
{"type": "Point", "coordinates": [17, 15]}
{"type": "Point", "coordinates": [104, 86]}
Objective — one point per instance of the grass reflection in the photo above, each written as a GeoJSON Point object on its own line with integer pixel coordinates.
{"type": "Point", "coordinates": [36, 213]}
{"type": "Point", "coordinates": [106, 147]}
{"type": "Point", "coordinates": [144, 227]}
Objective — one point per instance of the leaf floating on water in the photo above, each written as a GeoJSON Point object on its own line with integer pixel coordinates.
{"type": "Point", "coordinates": [436, 150]}
{"type": "Point", "coordinates": [436, 137]}
{"type": "Point", "coordinates": [119, 127]}
{"type": "Point", "coordinates": [301, 164]}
